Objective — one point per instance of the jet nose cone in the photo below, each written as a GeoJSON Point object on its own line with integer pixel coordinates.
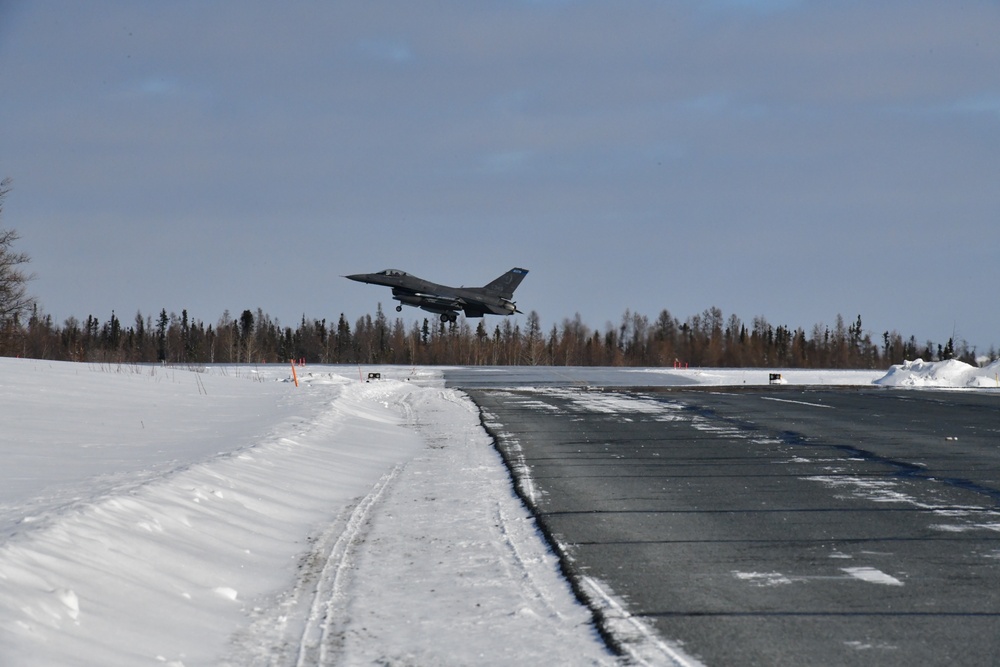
{"type": "Point", "coordinates": [360, 277]}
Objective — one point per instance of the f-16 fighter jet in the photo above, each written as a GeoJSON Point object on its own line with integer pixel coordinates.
{"type": "Point", "coordinates": [495, 298]}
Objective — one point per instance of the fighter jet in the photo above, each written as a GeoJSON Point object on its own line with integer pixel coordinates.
{"type": "Point", "coordinates": [496, 298]}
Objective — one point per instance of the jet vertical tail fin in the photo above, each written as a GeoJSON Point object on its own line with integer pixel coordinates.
{"type": "Point", "coordinates": [505, 285]}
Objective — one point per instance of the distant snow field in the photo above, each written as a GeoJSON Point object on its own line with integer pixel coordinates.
{"type": "Point", "coordinates": [222, 515]}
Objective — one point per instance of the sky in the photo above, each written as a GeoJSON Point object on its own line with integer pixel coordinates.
{"type": "Point", "coordinates": [791, 159]}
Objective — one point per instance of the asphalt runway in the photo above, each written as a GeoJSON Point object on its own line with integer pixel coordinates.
{"type": "Point", "coordinates": [774, 526]}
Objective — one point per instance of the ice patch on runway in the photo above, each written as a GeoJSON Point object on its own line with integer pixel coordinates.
{"type": "Point", "coordinates": [969, 527]}
{"type": "Point", "coordinates": [868, 646]}
{"type": "Point", "coordinates": [872, 576]}
{"type": "Point", "coordinates": [868, 574]}
{"type": "Point", "coordinates": [875, 490]}
{"type": "Point", "coordinates": [763, 579]}
{"type": "Point", "coordinates": [611, 403]}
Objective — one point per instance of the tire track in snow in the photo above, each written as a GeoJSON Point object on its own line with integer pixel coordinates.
{"type": "Point", "coordinates": [324, 614]}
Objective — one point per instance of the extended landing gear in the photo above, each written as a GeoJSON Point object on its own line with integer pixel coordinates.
{"type": "Point", "coordinates": [449, 317]}
{"type": "Point", "coordinates": [399, 308]}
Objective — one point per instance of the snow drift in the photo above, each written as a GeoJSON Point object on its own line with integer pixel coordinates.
{"type": "Point", "coordinates": [941, 374]}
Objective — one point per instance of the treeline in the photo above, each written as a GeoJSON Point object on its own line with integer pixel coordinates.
{"type": "Point", "coordinates": [709, 339]}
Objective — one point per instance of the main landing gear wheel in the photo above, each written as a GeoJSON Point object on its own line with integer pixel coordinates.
{"type": "Point", "coordinates": [446, 317]}
{"type": "Point", "coordinates": [399, 308]}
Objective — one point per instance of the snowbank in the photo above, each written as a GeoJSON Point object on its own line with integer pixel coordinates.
{"type": "Point", "coordinates": [941, 374]}
{"type": "Point", "coordinates": [147, 511]}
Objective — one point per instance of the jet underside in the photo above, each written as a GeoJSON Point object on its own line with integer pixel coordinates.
{"type": "Point", "coordinates": [442, 304]}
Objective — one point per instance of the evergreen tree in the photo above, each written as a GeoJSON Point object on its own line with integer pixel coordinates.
{"type": "Point", "coordinates": [161, 335]}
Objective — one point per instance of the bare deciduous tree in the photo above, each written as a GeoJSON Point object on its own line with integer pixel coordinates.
{"type": "Point", "coordinates": [14, 299]}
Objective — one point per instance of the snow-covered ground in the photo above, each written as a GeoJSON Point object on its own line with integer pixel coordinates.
{"type": "Point", "coordinates": [224, 516]}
